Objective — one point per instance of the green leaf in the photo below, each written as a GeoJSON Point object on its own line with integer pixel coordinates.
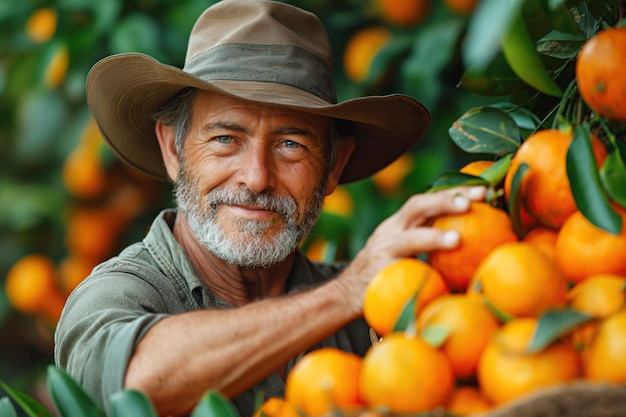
{"type": "Point", "coordinates": [435, 335]}
{"type": "Point", "coordinates": [584, 179]}
{"type": "Point", "coordinates": [490, 21]}
{"type": "Point", "coordinates": [496, 172]}
{"type": "Point", "coordinates": [137, 33]}
{"type": "Point", "coordinates": [495, 79]}
{"type": "Point", "coordinates": [522, 56]}
{"type": "Point", "coordinates": [613, 177]}
{"type": "Point", "coordinates": [560, 45]}
{"type": "Point", "coordinates": [384, 59]}
{"type": "Point", "coordinates": [214, 404]}
{"type": "Point", "coordinates": [454, 179]}
{"type": "Point", "coordinates": [406, 321]}
{"type": "Point", "coordinates": [523, 117]}
{"type": "Point", "coordinates": [69, 397]}
{"type": "Point", "coordinates": [131, 402]}
{"type": "Point", "coordinates": [29, 405]}
{"type": "Point", "coordinates": [6, 408]}
{"type": "Point", "coordinates": [561, 18]}
{"type": "Point", "coordinates": [500, 315]}
{"type": "Point", "coordinates": [486, 130]}
{"type": "Point", "coordinates": [553, 324]}
{"type": "Point", "coordinates": [515, 199]}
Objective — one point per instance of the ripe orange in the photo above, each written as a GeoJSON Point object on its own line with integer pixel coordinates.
{"type": "Point", "coordinates": [72, 270]}
{"type": "Point", "coordinates": [389, 179]}
{"type": "Point", "coordinates": [604, 359]}
{"type": "Point", "coordinates": [361, 50]}
{"type": "Point", "coordinates": [42, 24]}
{"type": "Point", "coordinates": [464, 7]}
{"type": "Point", "coordinates": [92, 233]}
{"type": "Point", "coordinates": [404, 13]}
{"type": "Point", "coordinates": [506, 370]}
{"type": "Point", "coordinates": [404, 374]}
{"type": "Point", "coordinates": [482, 228]}
{"type": "Point", "coordinates": [518, 279]}
{"type": "Point", "coordinates": [544, 239]}
{"type": "Point", "coordinates": [470, 325]}
{"type": "Point", "coordinates": [545, 190]}
{"type": "Point", "coordinates": [476, 168]}
{"type": "Point", "coordinates": [600, 73]}
{"type": "Point", "coordinates": [466, 400]}
{"type": "Point", "coordinates": [276, 407]}
{"type": "Point", "coordinates": [339, 202]}
{"type": "Point", "coordinates": [583, 249]}
{"type": "Point", "coordinates": [324, 380]}
{"type": "Point", "coordinates": [394, 286]}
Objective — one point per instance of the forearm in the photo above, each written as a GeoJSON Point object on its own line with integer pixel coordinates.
{"type": "Point", "coordinates": [232, 349]}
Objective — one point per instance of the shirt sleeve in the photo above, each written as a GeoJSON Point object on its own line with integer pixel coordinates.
{"type": "Point", "coordinates": [102, 322]}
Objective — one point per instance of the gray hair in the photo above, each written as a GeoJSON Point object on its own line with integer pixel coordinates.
{"type": "Point", "coordinates": [177, 113]}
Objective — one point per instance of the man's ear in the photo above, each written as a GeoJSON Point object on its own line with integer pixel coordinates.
{"type": "Point", "coordinates": [167, 143]}
{"type": "Point", "coordinates": [343, 155]}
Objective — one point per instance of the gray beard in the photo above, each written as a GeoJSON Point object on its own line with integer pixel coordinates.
{"type": "Point", "coordinates": [253, 249]}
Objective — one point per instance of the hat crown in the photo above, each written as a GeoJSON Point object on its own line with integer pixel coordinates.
{"type": "Point", "coordinates": [259, 22]}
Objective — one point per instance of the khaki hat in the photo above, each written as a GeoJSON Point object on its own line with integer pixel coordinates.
{"type": "Point", "coordinates": [255, 50]}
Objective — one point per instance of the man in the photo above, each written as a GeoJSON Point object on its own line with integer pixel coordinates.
{"type": "Point", "coordinates": [217, 296]}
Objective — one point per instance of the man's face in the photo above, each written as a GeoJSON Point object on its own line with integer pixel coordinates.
{"type": "Point", "coordinates": [251, 178]}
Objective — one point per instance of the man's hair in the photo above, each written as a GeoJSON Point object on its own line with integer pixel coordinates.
{"type": "Point", "coordinates": [176, 113]}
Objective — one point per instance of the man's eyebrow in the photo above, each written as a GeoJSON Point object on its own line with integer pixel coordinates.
{"type": "Point", "coordinates": [226, 126]}
{"type": "Point", "coordinates": [292, 130]}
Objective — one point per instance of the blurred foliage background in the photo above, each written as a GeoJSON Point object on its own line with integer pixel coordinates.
{"type": "Point", "coordinates": [66, 202]}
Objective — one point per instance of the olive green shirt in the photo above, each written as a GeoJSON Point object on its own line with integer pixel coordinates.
{"type": "Point", "coordinates": [111, 310]}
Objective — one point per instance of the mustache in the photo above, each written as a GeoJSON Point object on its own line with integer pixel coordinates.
{"type": "Point", "coordinates": [280, 204]}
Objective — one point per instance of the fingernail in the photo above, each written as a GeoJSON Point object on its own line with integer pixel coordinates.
{"type": "Point", "coordinates": [451, 238]}
{"type": "Point", "coordinates": [461, 202]}
{"type": "Point", "coordinates": [476, 192]}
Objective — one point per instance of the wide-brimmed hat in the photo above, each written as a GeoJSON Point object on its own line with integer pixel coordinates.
{"type": "Point", "coordinates": [255, 50]}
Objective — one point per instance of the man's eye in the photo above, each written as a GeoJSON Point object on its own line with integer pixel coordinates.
{"type": "Point", "coordinates": [224, 139]}
{"type": "Point", "coordinates": [291, 144]}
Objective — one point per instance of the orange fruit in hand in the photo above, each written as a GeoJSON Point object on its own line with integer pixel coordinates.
{"type": "Point", "coordinates": [466, 400]}
{"type": "Point", "coordinates": [394, 286]}
{"type": "Point", "coordinates": [276, 407]}
{"type": "Point", "coordinates": [404, 13]}
{"type": "Point", "coordinates": [583, 249]}
{"type": "Point", "coordinates": [600, 73]}
{"type": "Point", "coordinates": [604, 359]}
{"type": "Point", "coordinates": [507, 371]}
{"type": "Point", "coordinates": [545, 190]}
{"type": "Point", "coordinates": [519, 280]}
{"type": "Point", "coordinates": [482, 228]}
{"type": "Point", "coordinates": [324, 380]}
{"type": "Point", "coordinates": [404, 374]}
{"type": "Point", "coordinates": [361, 50]}
{"type": "Point", "coordinates": [469, 324]}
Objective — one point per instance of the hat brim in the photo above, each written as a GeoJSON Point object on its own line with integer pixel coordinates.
{"type": "Point", "coordinates": [124, 91]}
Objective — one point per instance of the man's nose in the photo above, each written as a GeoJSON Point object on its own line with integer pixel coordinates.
{"type": "Point", "coordinates": [257, 169]}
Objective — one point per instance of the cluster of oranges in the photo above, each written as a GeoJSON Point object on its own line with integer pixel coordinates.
{"type": "Point", "coordinates": [104, 201]}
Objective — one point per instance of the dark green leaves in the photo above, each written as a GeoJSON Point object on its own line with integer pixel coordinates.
{"type": "Point", "coordinates": [31, 407]}
{"type": "Point", "coordinates": [131, 403]}
{"type": "Point", "coordinates": [69, 397]}
{"type": "Point", "coordinates": [486, 130]}
{"type": "Point", "coordinates": [584, 178]}
{"type": "Point", "coordinates": [553, 324]}
{"type": "Point", "coordinates": [214, 404]}
{"type": "Point", "coordinates": [613, 175]}
{"type": "Point", "coordinates": [515, 199]}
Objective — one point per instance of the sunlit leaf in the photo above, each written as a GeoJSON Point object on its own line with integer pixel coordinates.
{"type": "Point", "coordinates": [69, 397]}
{"type": "Point", "coordinates": [131, 403]}
{"type": "Point", "coordinates": [613, 177]}
{"type": "Point", "coordinates": [496, 172]}
{"type": "Point", "coordinates": [435, 335]}
{"type": "Point", "coordinates": [585, 182]}
{"type": "Point", "coordinates": [28, 404]}
{"type": "Point", "coordinates": [214, 404]}
{"type": "Point", "coordinates": [486, 130]}
{"type": "Point", "coordinates": [553, 324]}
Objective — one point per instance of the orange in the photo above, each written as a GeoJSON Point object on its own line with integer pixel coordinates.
{"type": "Point", "coordinates": [469, 324]}
{"type": "Point", "coordinates": [324, 380]}
{"type": "Point", "coordinates": [339, 202]}
{"type": "Point", "coordinates": [466, 400]}
{"type": "Point", "coordinates": [92, 233]}
{"type": "Point", "coordinates": [544, 239]}
{"type": "Point", "coordinates": [507, 371]}
{"type": "Point", "coordinates": [83, 174]}
{"type": "Point", "coordinates": [600, 73]}
{"type": "Point", "coordinates": [482, 228]}
{"type": "Point", "coordinates": [476, 168]}
{"type": "Point", "coordinates": [519, 280]}
{"type": "Point", "coordinates": [404, 13]}
{"type": "Point", "coordinates": [389, 179]}
{"type": "Point", "coordinates": [545, 190]}
{"type": "Point", "coordinates": [463, 7]}
{"type": "Point", "coordinates": [361, 50]}
{"type": "Point", "coordinates": [276, 407]}
{"type": "Point", "coordinates": [394, 286]}
{"type": "Point", "coordinates": [318, 250]}
{"type": "Point", "coordinates": [404, 374]}
{"type": "Point", "coordinates": [42, 24]}
{"type": "Point", "coordinates": [31, 286]}
{"type": "Point", "coordinates": [604, 359]}
{"type": "Point", "coordinates": [72, 270]}
{"type": "Point", "coordinates": [583, 249]}
{"type": "Point", "coordinates": [57, 67]}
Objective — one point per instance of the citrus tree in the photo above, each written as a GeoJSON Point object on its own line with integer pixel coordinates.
{"type": "Point", "coordinates": [493, 74]}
